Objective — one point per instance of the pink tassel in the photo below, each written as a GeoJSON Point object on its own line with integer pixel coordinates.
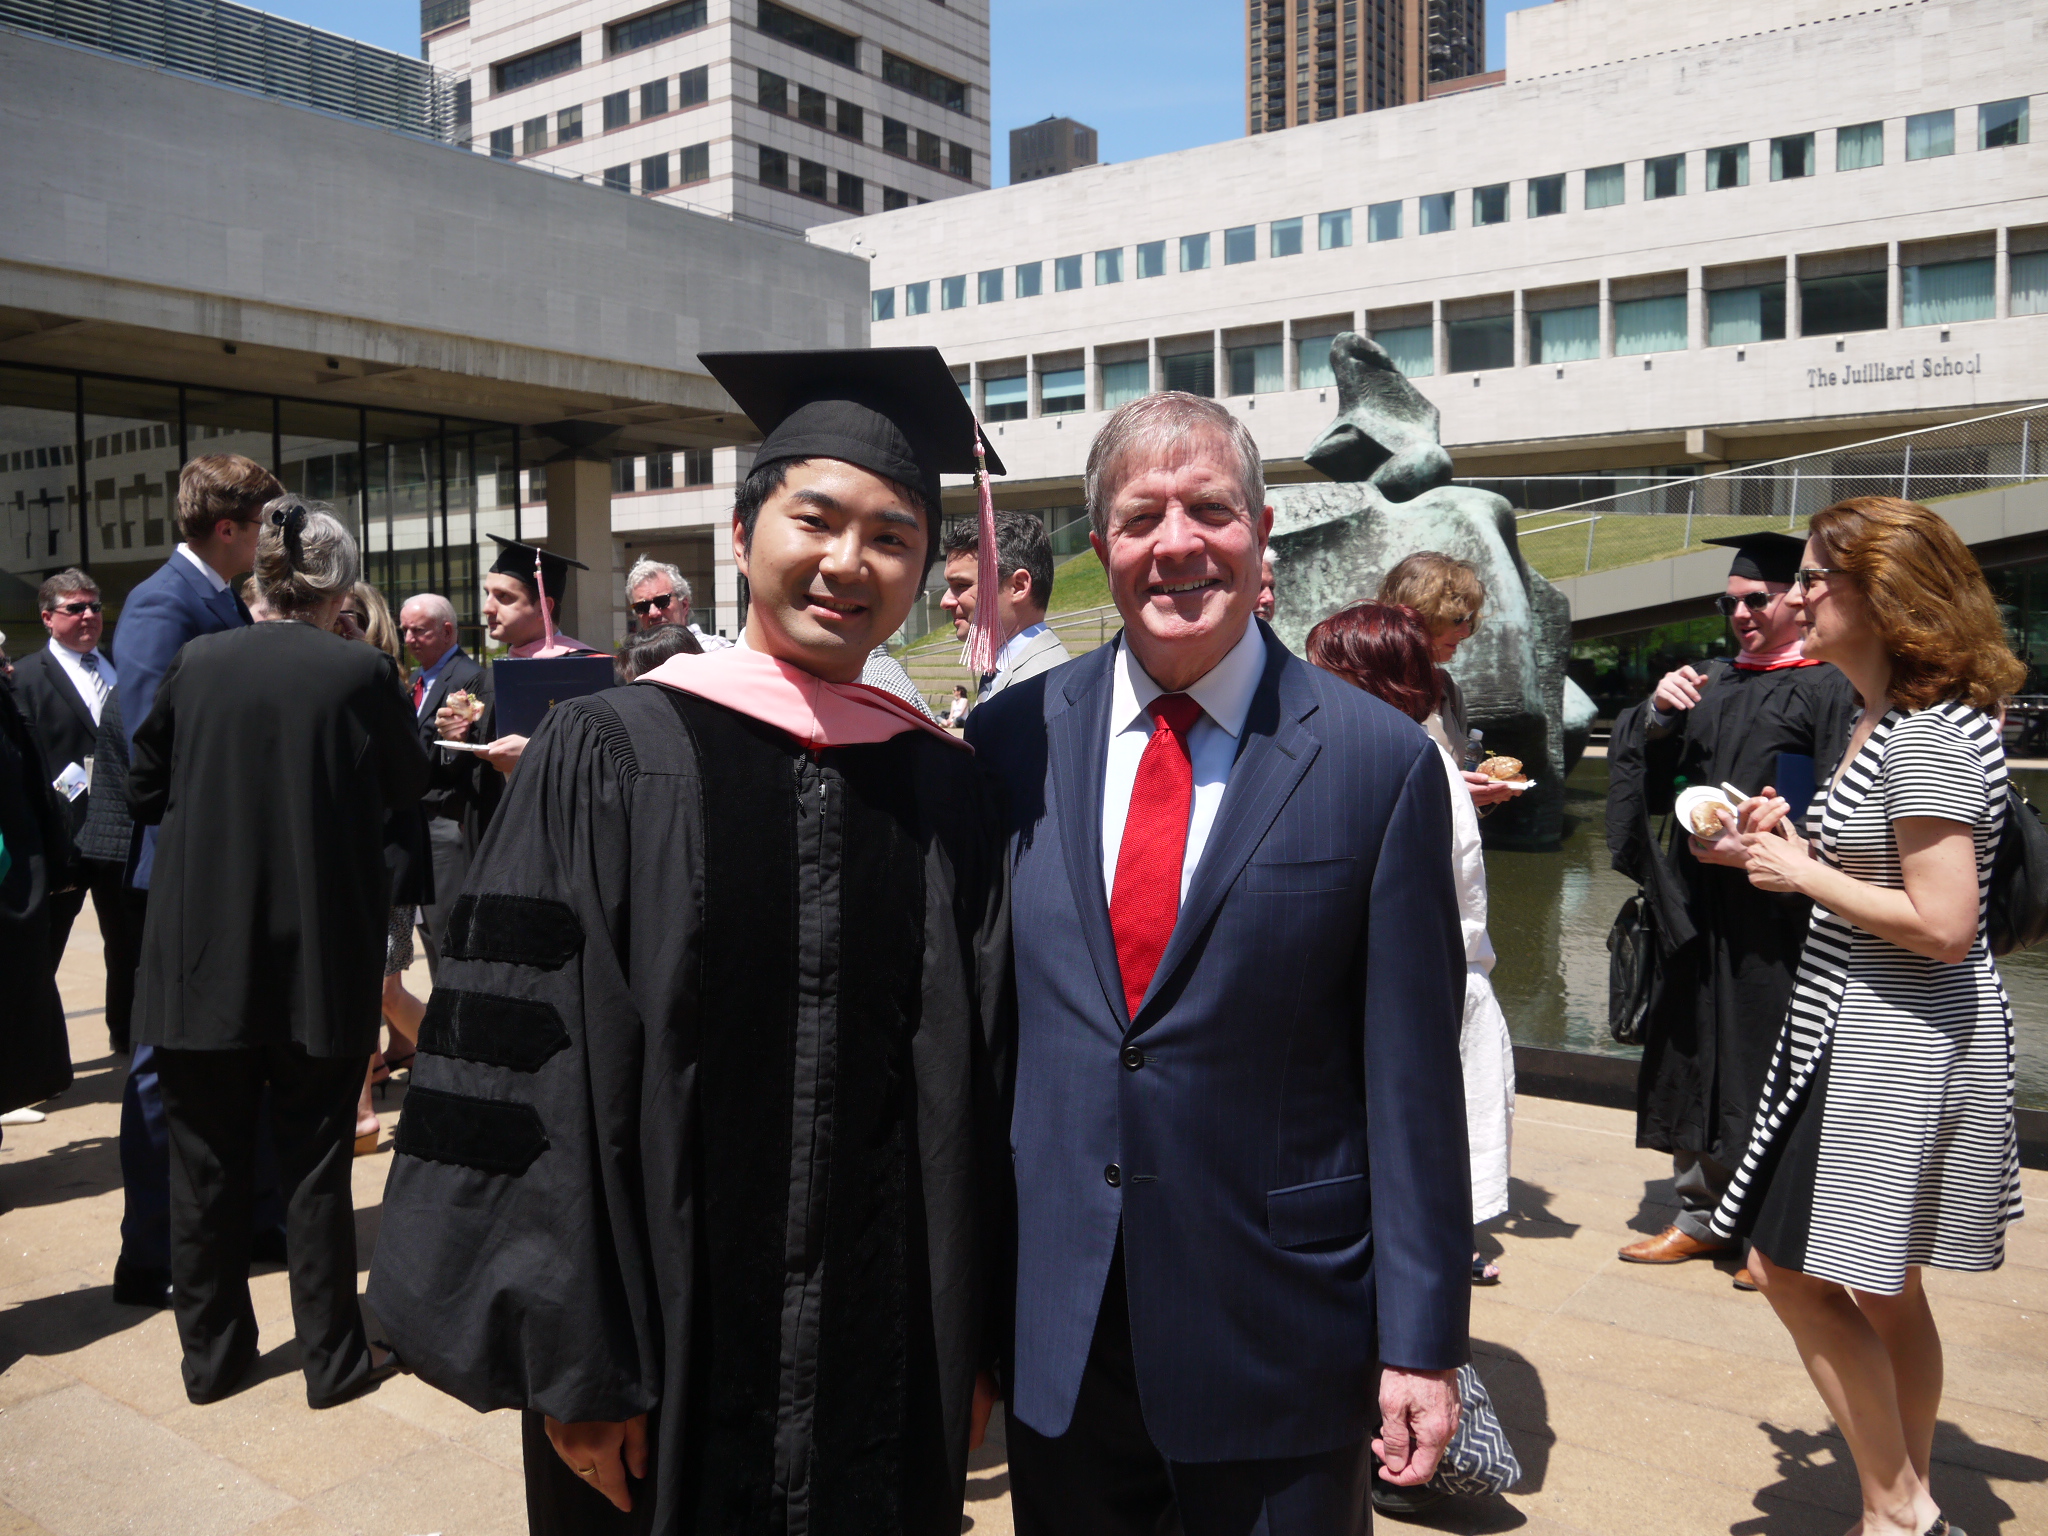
{"type": "Point", "coordinates": [547, 620]}
{"type": "Point", "coordinates": [985, 635]}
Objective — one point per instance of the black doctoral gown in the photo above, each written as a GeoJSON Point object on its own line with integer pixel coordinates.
{"type": "Point", "coordinates": [710, 1120]}
{"type": "Point", "coordinates": [1722, 992]}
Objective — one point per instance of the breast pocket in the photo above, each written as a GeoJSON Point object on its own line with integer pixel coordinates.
{"type": "Point", "coordinates": [1323, 1212]}
{"type": "Point", "coordinates": [1286, 878]}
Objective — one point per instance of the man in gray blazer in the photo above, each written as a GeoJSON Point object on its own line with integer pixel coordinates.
{"type": "Point", "coordinates": [1024, 588]}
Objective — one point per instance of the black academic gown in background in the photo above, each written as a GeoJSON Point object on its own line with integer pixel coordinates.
{"type": "Point", "coordinates": [35, 1050]}
{"type": "Point", "coordinates": [709, 1120]}
{"type": "Point", "coordinates": [1721, 997]}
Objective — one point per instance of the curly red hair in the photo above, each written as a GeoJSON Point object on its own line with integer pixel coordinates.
{"type": "Point", "coordinates": [1384, 649]}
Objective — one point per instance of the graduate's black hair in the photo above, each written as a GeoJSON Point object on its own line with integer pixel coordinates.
{"type": "Point", "coordinates": [765, 480]}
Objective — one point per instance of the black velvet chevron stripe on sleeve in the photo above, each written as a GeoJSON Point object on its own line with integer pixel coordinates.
{"type": "Point", "coordinates": [490, 1135]}
{"type": "Point", "coordinates": [517, 930]}
{"type": "Point", "coordinates": [516, 1032]}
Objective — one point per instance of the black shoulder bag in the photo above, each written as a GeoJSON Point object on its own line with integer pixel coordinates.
{"type": "Point", "coordinates": [2018, 916]}
{"type": "Point", "coordinates": [1631, 969]}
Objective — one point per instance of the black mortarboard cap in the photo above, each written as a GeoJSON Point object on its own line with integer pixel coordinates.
{"type": "Point", "coordinates": [1764, 556]}
{"type": "Point", "coordinates": [516, 559]}
{"type": "Point", "coordinates": [894, 411]}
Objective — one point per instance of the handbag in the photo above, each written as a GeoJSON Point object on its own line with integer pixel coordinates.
{"type": "Point", "coordinates": [1479, 1461]}
{"type": "Point", "coordinates": [2017, 915]}
{"type": "Point", "coordinates": [1631, 969]}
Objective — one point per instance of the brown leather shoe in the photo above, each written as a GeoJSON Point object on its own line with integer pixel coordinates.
{"type": "Point", "coordinates": [1671, 1246]}
{"type": "Point", "coordinates": [1744, 1280]}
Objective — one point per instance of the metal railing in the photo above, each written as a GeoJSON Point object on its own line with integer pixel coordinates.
{"type": "Point", "coordinates": [1669, 517]}
{"type": "Point", "coordinates": [252, 50]}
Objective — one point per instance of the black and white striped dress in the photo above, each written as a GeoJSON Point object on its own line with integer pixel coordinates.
{"type": "Point", "coordinates": [1885, 1134]}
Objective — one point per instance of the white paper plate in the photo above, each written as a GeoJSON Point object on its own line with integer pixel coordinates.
{"type": "Point", "coordinates": [1697, 795]}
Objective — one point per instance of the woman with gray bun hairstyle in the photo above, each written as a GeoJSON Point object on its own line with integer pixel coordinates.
{"type": "Point", "coordinates": [271, 758]}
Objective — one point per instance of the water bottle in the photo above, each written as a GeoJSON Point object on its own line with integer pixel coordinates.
{"type": "Point", "coordinates": [1475, 749]}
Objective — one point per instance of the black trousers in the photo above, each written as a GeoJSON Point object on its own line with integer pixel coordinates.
{"type": "Point", "coordinates": [210, 1102]}
{"type": "Point", "coordinates": [1104, 1476]}
{"type": "Point", "coordinates": [120, 912]}
{"type": "Point", "coordinates": [449, 845]}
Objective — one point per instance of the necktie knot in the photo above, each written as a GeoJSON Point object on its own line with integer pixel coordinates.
{"type": "Point", "coordinates": [1177, 712]}
{"type": "Point", "coordinates": [90, 661]}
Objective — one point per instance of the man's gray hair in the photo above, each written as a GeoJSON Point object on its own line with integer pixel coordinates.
{"type": "Point", "coordinates": [303, 556]}
{"type": "Point", "coordinates": [62, 585]}
{"type": "Point", "coordinates": [647, 570]}
{"type": "Point", "coordinates": [439, 609]}
{"type": "Point", "coordinates": [1161, 426]}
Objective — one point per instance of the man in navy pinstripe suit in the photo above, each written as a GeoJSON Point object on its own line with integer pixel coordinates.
{"type": "Point", "coordinates": [1239, 1135]}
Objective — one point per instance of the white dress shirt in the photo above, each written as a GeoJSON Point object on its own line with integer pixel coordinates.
{"type": "Point", "coordinates": [95, 696]}
{"type": "Point", "coordinates": [1225, 694]}
{"type": "Point", "coordinates": [214, 579]}
{"type": "Point", "coordinates": [1017, 642]}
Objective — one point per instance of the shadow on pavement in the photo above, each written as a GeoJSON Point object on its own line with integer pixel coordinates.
{"type": "Point", "coordinates": [67, 1321]}
{"type": "Point", "coordinates": [77, 1170]}
{"type": "Point", "coordinates": [1815, 1472]}
{"type": "Point", "coordinates": [1529, 1213]}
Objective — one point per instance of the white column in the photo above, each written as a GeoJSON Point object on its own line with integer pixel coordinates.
{"type": "Point", "coordinates": [974, 390]}
{"type": "Point", "coordinates": [1440, 336]}
{"type": "Point", "coordinates": [1156, 370]}
{"type": "Point", "coordinates": [580, 526]}
{"type": "Point", "coordinates": [1894, 287]}
{"type": "Point", "coordinates": [1795, 317]}
{"type": "Point", "coordinates": [1091, 378]}
{"type": "Point", "coordinates": [1220, 364]}
{"type": "Point", "coordinates": [1290, 365]}
{"type": "Point", "coordinates": [1695, 307]}
{"type": "Point", "coordinates": [1521, 329]}
{"type": "Point", "coordinates": [2001, 306]}
{"type": "Point", "coordinates": [1031, 385]}
{"type": "Point", "coordinates": [1606, 302]}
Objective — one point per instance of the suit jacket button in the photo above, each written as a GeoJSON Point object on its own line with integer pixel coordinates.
{"type": "Point", "coordinates": [1133, 1057]}
{"type": "Point", "coordinates": [1112, 1176]}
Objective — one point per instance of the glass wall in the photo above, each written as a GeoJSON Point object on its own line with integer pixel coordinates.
{"type": "Point", "coordinates": [1564, 335]}
{"type": "Point", "coordinates": [38, 478]}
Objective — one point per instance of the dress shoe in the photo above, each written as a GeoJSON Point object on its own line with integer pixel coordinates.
{"type": "Point", "coordinates": [135, 1286]}
{"type": "Point", "coordinates": [369, 1381]}
{"type": "Point", "coordinates": [1392, 1499]}
{"type": "Point", "coordinates": [266, 1246]}
{"type": "Point", "coordinates": [1671, 1246]}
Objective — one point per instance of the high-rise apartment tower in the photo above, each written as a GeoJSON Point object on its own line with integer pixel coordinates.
{"type": "Point", "coordinates": [1310, 60]}
{"type": "Point", "coordinates": [785, 114]}
{"type": "Point", "coordinates": [1050, 147]}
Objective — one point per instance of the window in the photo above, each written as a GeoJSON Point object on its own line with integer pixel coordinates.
{"type": "Point", "coordinates": [960, 160]}
{"type": "Point", "coordinates": [1192, 373]}
{"type": "Point", "coordinates": [618, 178]}
{"type": "Point", "coordinates": [696, 466]}
{"type": "Point", "coordinates": [1005, 399]}
{"type": "Point", "coordinates": [1930, 135]}
{"type": "Point", "coordinates": [1382, 222]}
{"type": "Point", "coordinates": [661, 470]}
{"type": "Point", "coordinates": [810, 179]}
{"type": "Point", "coordinates": [1792, 158]}
{"type": "Point", "coordinates": [917, 298]}
{"type": "Point", "coordinates": [654, 98]}
{"type": "Point", "coordinates": [928, 145]}
{"type": "Point", "coordinates": [618, 110]}
{"type": "Point", "coordinates": [1312, 362]}
{"type": "Point", "coordinates": [1438, 212]}
{"type": "Point", "coordinates": [852, 122]}
{"type": "Point", "coordinates": [1606, 186]}
{"type": "Point", "coordinates": [1546, 196]}
{"type": "Point", "coordinates": [1062, 391]}
{"type": "Point", "coordinates": [893, 199]}
{"type": "Point", "coordinates": [989, 287]}
{"type": "Point", "coordinates": [568, 125]}
{"type": "Point", "coordinates": [953, 292]}
{"type": "Point", "coordinates": [462, 100]}
{"type": "Point", "coordinates": [896, 137]}
{"type": "Point", "coordinates": [1152, 259]}
{"type": "Point", "coordinates": [542, 65]}
{"type": "Point", "coordinates": [1255, 370]}
{"type": "Point", "coordinates": [928, 83]}
{"type": "Point", "coordinates": [1739, 315]}
{"type": "Point", "coordinates": [1650, 325]}
{"type": "Point", "coordinates": [774, 168]}
{"type": "Point", "coordinates": [773, 92]}
{"type": "Point", "coordinates": [1490, 205]}
{"type": "Point", "coordinates": [1284, 238]}
{"type": "Point", "coordinates": [1109, 267]}
{"type": "Point", "coordinates": [1333, 230]}
{"type": "Point", "coordinates": [1663, 177]}
{"type": "Point", "coordinates": [2002, 124]}
{"type": "Point", "coordinates": [852, 192]}
{"type": "Point", "coordinates": [1125, 382]}
{"type": "Point", "coordinates": [1066, 273]}
{"type": "Point", "coordinates": [1564, 335]}
{"type": "Point", "coordinates": [693, 87]}
{"type": "Point", "coordinates": [622, 474]}
{"type": "Point", "coordinates": [1030, 279]}
{"type": "Point", "coordinates": [810, 106]}
{"type": "Point", "coordinates": [1477, 345]}
{"type": "Point", "coordinates": [1941, 293]}
{"type": "Point", "coordinates": [1194, 253]}
{"type": "Point", "coordinates": [533, 135]}
{"type": "Point", "coordinates": [1860, 147]}
{"type": "Point", "coordinates": [696, 163]}
{"type": "Point", "coordinates": [1412, 347]}
{"type": "Point", "coordinates": [1727, 167]}
{"type": "Point", "coordinates": [501, 143]}
{"type": "Point", "coordinates": [654, 173]}
{"type": "Point", "coordinates": [2030, 284]}
{"type": "Point", "coordinates": [811, 36]}
{"type": "Point", "coordinates": [1831, 305]}
{"type": "Point", "coordinates": [882, 304]}
{"type": "Point", "coordinates": [653, 26]}
{"type": "Point", "coordinates": [1240, 245]}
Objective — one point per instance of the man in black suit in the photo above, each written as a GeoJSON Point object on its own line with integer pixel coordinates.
{"type": "Point", "coordinates": [63, 689]}
{"type": "Point", "coordinates": [427, 623]}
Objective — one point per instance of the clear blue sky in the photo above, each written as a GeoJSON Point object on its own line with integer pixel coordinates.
{"type": "Point", "coordinates": [1148, 75]}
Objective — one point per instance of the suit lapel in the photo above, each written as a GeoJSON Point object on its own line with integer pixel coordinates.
{"type": "Point", "coordinates": [1077, 738]}
{"type": "Point", "coordinates": [60, 676]}
{"type": "Point", "coordinates": [1274, 751]}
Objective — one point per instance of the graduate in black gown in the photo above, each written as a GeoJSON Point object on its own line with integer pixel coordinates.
{"type": "Point", "coordinates": [1767, 718]}
{"type": "Point", "coordinates": [705, 1162]}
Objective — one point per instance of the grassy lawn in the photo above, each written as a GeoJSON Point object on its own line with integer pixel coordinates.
{"type": "Point", "coordinates": [1622, 538]}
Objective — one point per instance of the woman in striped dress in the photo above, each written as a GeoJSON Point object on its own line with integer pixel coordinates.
{"type": "Point", "coordinates": [1885, 1139]}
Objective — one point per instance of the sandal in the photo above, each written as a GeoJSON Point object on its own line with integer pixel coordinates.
{"type": "Point", "coordinates": [1484, 1273]}
{"type": "Point", "coordinates": [399, 1063]}
{"type": "Point", "coordinates": [366, 1141]}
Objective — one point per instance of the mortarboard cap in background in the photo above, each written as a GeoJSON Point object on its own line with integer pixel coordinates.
{"type": "Point", "coordinates": [1764, 556]}
{"type": "Point", "coordinates": [517, 559]}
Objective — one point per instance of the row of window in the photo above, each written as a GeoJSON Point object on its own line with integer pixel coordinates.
{"type": "Point", "coordinates": [657, 471]}
{"type": "Point", "coordinates": [654, 98]}
{"type": "Point", "coordinates": [776, 168]}
{"type": "Point", "coordinates": [849, 120]}
{"type": "Point", "coordinates": [1936, 293]}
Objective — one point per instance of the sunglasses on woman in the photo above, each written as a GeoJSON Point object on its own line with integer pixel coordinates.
{"type": "Point", "coordinates": [1810, 575]}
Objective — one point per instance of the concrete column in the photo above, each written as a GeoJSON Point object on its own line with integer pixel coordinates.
{"type": "Point", "coordinates": [1440, 337]}
{"type": "Point", "coordinates": [580, 526]}
{"type": "Point", "coordinates": [1695, 308]}
{"type": "Point", "coordinates": [1091, 378]}
{"type": "Point", "coordinates": [2001, 302]}
{"type": "Point", "coordinates": [1156, 371]}
{"type": "Point", "coordinates": [975, 391]}
{"type": "Point", "coordinates": [1358, 320]}
{"type": "Point", "coordinates": [1031, 385]}
{"type": "Point", "coordinates": [1290, 365]}
{"type": "Point", "coordinates": [1606, 318]}
{"type": "Point", "coordinates": [1795, 318]}
{"type": "Point", "coordinates": [1894, 287]}
{"type": "Point", "coordinates": [1220, 365]}
{"type": "Point", "coordinates": [1521, 329]}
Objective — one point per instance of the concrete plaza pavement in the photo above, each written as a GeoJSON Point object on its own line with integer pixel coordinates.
{"type": "Point", "coordinates": [1639, 1400]}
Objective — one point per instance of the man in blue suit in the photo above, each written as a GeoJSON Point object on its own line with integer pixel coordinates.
{"type": "Point", "coordinates": [1239, 1134]}
{"type": "Point", "coordinates": [220, 503]}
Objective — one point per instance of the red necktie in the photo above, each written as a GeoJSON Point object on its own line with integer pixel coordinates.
{"type": "Point", "coordinates": [419, 692]}
{"type": "Point", "coordinates": [1145, 899]}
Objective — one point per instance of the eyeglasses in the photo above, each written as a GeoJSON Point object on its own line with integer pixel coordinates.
{"type": "Point", "coordinates": [1755, 602]}
{"type": "Point", "coordinates": [75, 609]}
{"type": "Point", "coordinates": [1808, 576]}
{"type": "Point", "coordinates": [647, 605]}
{"type": "Point", "coordinates": [360, 620]}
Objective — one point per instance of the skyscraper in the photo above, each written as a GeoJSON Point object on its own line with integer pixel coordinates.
{"type": "Point", "coordinates": [1310, 60]}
